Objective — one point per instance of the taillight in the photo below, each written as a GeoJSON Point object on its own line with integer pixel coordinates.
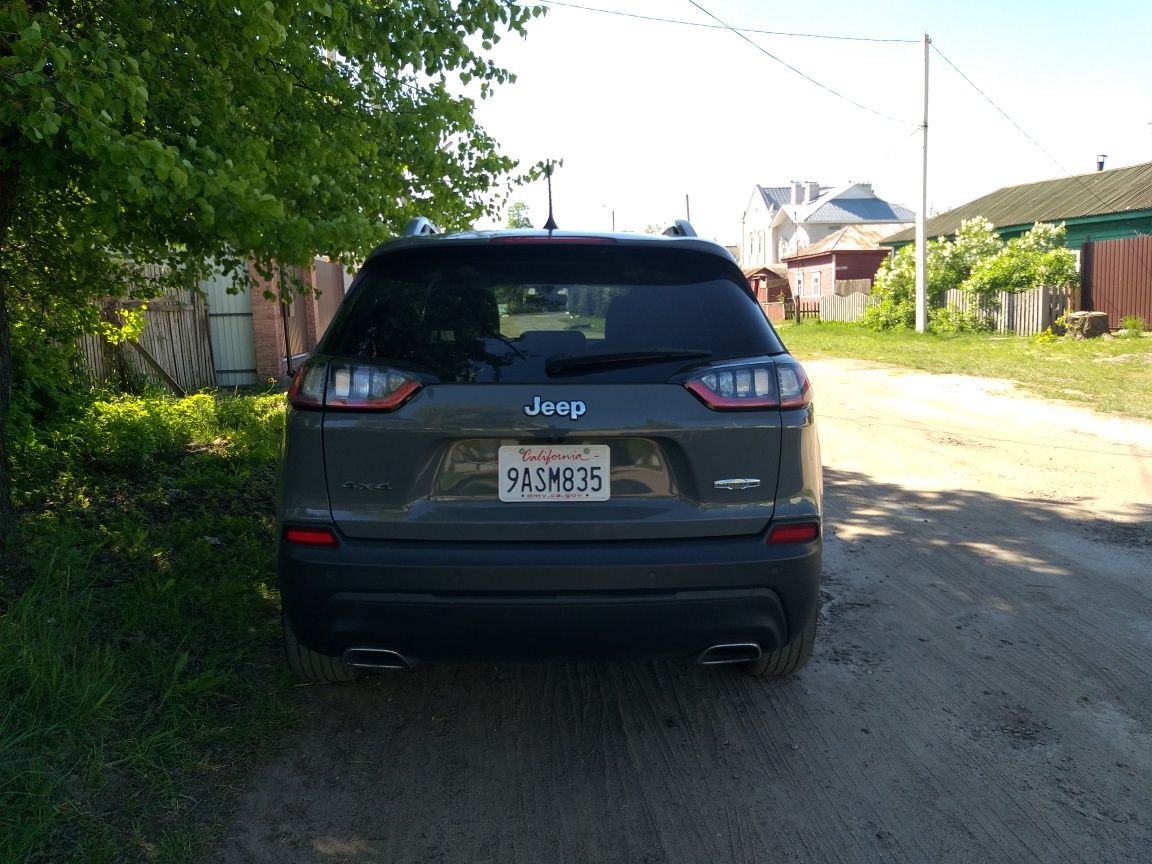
{"type": "Point", "coordinates": [311, 537]}
{"type": "Point", "coordinates": [796, 532]}
{"type": "Point", "coordinates": [349, 384]}
{"type": "Point", "coordinates": [795, 388]}
{"type": "Point", "coordinates": [778, 384]}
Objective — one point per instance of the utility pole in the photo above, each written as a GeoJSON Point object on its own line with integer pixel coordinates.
{"type": "Point", "coordinates": [922, 214]}
{"type": "Point", "coordinates": [687, 208]}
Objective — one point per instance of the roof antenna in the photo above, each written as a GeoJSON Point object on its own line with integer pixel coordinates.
{"type": "Point", "coordinates": [550, 225]}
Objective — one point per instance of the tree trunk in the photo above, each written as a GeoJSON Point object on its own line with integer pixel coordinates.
{"type": "Point", "coordinates": [8, 180]}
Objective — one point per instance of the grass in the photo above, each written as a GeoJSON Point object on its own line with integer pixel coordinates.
{"type": "Point", "coordinates": [139, 627]}
{"type": "Point", "coordinates": [140, 667]}
{"type": "Point", "coordinates": [1108, 374]}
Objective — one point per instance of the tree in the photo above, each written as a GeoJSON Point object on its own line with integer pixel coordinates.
{"type": "Point", "coordinates": [518, 215]}
{"type": "Point", "coordinates": [979, 263]}
{"type": "Point", "coordinates": [137, 132]}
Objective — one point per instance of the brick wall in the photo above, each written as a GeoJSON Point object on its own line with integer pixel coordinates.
{"type": "Point", "coordinates": [267, 329]}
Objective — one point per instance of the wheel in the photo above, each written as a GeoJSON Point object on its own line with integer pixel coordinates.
{"type": "Point", "coordinates": [311, 666]}
{"type": "Point", "coordinates": [791, 658]}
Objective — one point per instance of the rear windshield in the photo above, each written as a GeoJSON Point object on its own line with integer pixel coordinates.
{"type": "Point", "coordinates": [535, 313]}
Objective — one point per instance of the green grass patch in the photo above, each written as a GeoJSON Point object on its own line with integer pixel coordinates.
{"type": "Point", "coordinates": [140, 666]}
{"type": "Point", "coordinates": [1107, 374]}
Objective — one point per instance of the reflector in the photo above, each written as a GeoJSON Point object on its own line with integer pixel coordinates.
{"type": "Point", "coordinates": [803, 532]}
{"type": "Point", "coordinates": [311, 537]}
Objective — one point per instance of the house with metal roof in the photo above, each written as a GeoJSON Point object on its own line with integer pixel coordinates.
{"type": "Point", "coordinates": [780, 220]}
{"type": "Point", "coordinates": [1104, 205]}
{"type": "Point", "coordinates": [842, 263]}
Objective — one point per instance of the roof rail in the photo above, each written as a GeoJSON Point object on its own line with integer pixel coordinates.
{"type": "Point", "coordinates": [419, 226]}
{"type": "Point", "coordinates": [680, 228]}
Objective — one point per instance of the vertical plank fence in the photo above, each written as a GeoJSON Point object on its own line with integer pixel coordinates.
{"type": "Point", "coordinates": [1117, 278]}
{"type": "Point", "coordinates": [847, 308]}
{"type": "Point", "coordinates": [1024, 314]}
{"type": "Point", "coordinates": [173, 350]}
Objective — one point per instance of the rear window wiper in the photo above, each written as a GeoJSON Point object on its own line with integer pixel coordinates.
{"type": "Point", "coordinates": [564, 364]}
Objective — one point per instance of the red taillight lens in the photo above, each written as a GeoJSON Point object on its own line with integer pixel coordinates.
{"type": "Point", "coordinates": [802, 532]}
{"type": "Point", "coordinates": [795, 388]}
{"type": "Point", "coordinates": [307, 390]}
{"type": "Point", "coordinates": [311, 537]}
{"type": "Point", "coordinates": [778, 384]}
{"type": "Point", "coordinates": [323, 383]}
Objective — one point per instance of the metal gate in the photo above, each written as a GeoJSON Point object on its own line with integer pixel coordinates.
{"type": "Point", "coordinates": [1116, 277]}
{"type": "Point", "coordinates": [294, 316]}
{"type": "Point", "coordinates": [230, 331]}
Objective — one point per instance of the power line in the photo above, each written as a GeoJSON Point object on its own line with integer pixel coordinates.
{"type": "Point", "coordinates": [1019, 128]}
{"type": "Point", "coordinates": [719, 26]}
{"type": "Point", "coordinates": [803, 75]}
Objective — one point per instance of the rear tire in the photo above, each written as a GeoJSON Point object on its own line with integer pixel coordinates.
{"type": "Point", "coordinates": [787, 660]}
{"type": "Point", "coordinates": [311, 666]}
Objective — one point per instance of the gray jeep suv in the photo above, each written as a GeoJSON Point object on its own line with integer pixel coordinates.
{"type": "Point", "coordinates": [542, 444]}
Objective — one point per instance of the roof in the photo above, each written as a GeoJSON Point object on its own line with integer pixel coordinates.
{"type": "Point", "coordinates": [850, 238]}
{"type": "Point", "coordinates": [841, 210]}
{"type": "Point", "coordinates": [775, 197]}
{"type": "Point", "coordinates": [772, 270]}
{"type": "Point", "coordinates": [1101, 193]}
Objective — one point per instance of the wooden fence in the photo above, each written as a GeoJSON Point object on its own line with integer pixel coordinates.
{"type": "Point", "coordinates": [173, 350]}
{"type": "Point", "coordinates": [1024, 314]}
{"type": "Point", "coordinates": [847, 308]}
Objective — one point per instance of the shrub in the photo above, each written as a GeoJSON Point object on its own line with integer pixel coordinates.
{"type": "Point", "coordinates": [952, 321]}
{"type": "Point", "coordinates": [1132, 326]}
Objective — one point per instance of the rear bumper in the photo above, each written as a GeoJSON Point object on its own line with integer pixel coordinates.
{"type": "Point", "coordinates": [625, 598]}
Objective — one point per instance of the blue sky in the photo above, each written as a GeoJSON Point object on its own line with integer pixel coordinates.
{"type": "Point", "coordinates": [644, 112]}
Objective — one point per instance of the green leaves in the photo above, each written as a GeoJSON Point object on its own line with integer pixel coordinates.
{"type": "Point", "coordinates": [254, 125]}
{"type": "Point", "coordinates": [980, 263]}
{"type": "Point", "coordinates": [238, 131]}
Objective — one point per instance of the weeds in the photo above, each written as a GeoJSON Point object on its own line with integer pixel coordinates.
{"type": "Point", "coordinates": [139, 631]}
{"type": "Point", "coordinates": [1132, 326]}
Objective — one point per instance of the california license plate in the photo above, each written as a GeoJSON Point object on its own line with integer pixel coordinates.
{"type": "Point", "coordinates": [555, 472]}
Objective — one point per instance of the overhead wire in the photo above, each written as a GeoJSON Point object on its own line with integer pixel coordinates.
{"type": "Point", "coordinates": [720, 26]}
{"type": "Point", "coordinates": [743, 32]}
{"type": "Point", "coordinates": [1069, 174]}
{"type": "Point", "coordinates": [803, 75]}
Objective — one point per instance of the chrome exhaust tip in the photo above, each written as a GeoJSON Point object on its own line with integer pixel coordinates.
{"type": "Point", "coordinates": [376, 658]}
{"type": "Point", "coordinates": [729, 652]}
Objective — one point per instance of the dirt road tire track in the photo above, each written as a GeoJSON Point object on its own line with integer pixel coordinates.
{"type": "Point", "coordinates": [980, 689]}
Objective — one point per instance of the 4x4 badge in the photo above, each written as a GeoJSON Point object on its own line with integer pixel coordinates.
{"type": "Point", "coordinates": [574, 409]}
{"type": "Point", "coordinates": [737, 484]}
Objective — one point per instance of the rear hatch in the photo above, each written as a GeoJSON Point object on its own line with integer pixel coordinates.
{"type": "Point", "coordinates": [480, 391]}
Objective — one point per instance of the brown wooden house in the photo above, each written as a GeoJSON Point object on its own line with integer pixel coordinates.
{"type": "Point", "coordinates": [842, 263]}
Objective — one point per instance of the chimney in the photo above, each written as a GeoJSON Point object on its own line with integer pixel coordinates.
{"type": "Point", "coordinates": [812, 193]}
{"type": "Point", "coordinates": [1100, 161]}
{"type": "Point", "coordinates": [797, 193]}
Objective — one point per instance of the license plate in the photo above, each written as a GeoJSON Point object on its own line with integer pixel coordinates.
{"type": "Point", "coordinates": [555, 472]}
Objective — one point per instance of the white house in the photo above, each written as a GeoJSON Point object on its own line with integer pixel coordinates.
{"type": "Point", "coordinates": [780, 220]}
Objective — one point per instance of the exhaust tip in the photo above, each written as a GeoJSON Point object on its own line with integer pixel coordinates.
{"type": "Point", "coordinates": [729, 652]}
{"type": "Point", "coordinates": [376, 658]}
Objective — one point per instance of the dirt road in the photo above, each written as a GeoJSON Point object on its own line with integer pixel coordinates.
{"type": "Point", "coordinates": [981, 690]}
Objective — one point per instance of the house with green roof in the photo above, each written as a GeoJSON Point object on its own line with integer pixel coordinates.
{"type": "Point", "coordinates": [1104, 205]}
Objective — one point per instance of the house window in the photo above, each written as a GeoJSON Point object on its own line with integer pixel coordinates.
{"type": "Point", "coordinates": [816, 283]}
{"type": "Point", "coordinates": [799, 284]}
